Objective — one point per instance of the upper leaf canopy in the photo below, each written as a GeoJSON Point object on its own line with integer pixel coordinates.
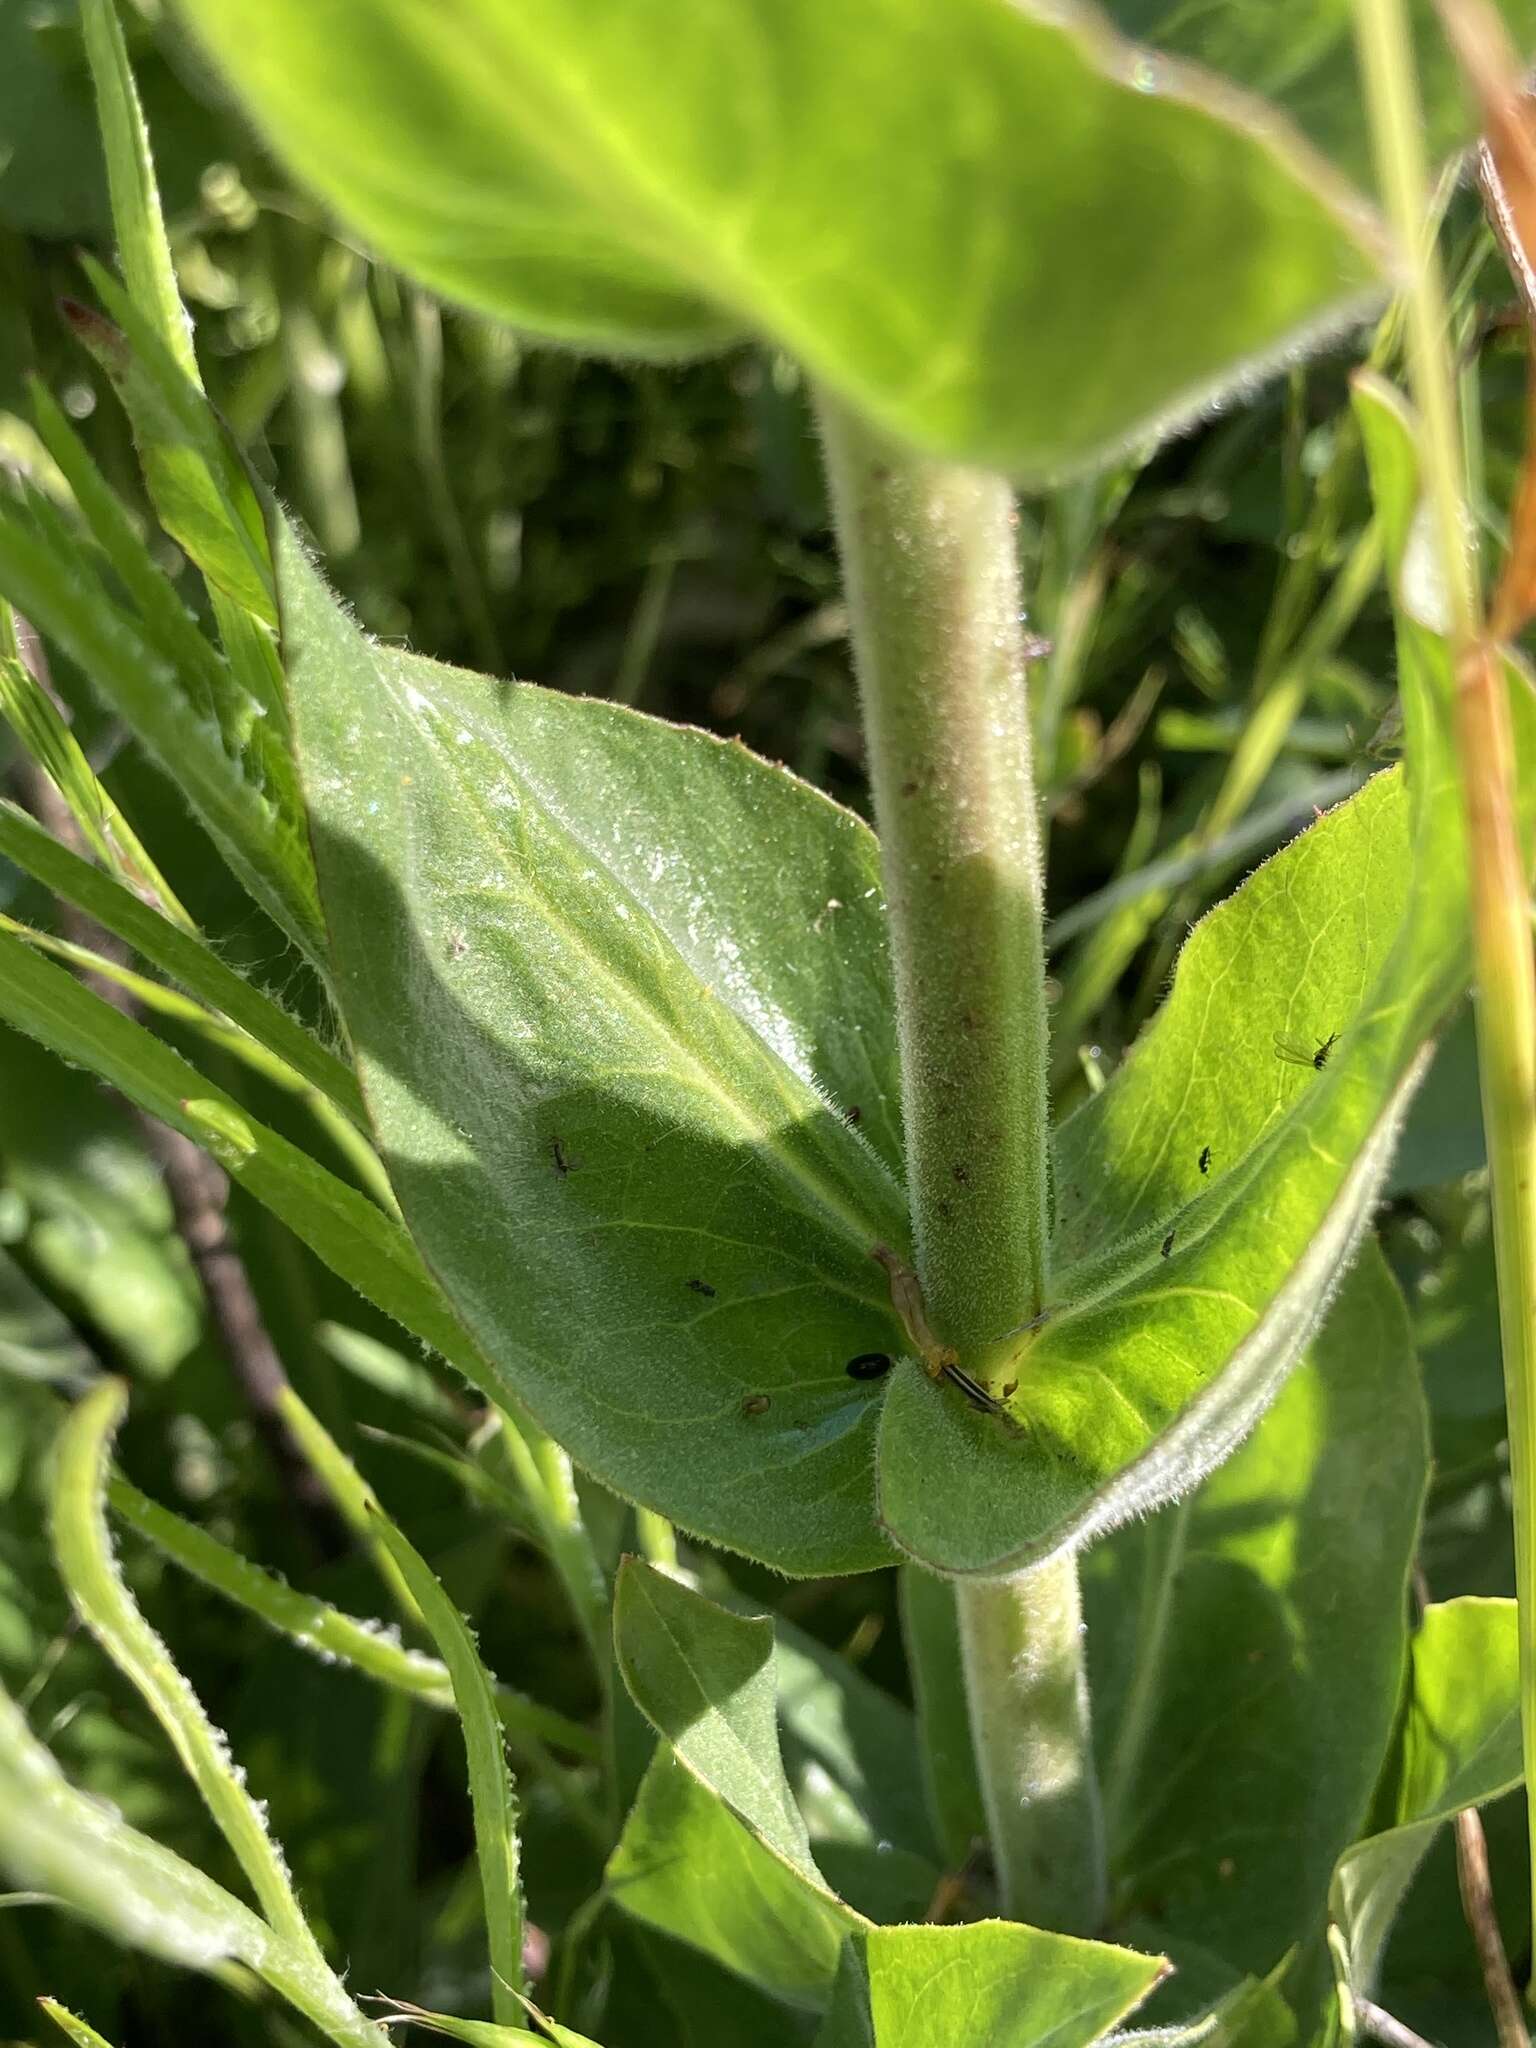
{"type": "Point", "coordinates": [998, 231]}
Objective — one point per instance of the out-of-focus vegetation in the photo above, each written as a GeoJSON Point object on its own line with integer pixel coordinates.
{"type": "Point", "coordinates": [1215, 661]}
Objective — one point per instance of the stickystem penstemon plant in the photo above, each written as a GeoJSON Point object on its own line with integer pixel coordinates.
{"type": "Point", "coordinates": [691, 1096]}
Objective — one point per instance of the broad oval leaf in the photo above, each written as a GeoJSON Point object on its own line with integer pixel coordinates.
{"type": "Point", "coordinates": [1212, 1196]}
{"type": "Point", "coordinates": [946, 260]}
{"type": "Point", "coordinates": [620, 1004]}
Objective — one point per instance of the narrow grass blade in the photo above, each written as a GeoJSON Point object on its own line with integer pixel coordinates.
{"type": "Point", "coordinates": [367, 1646]}
{"type": "Point", "coordinates": [490, 1782]}
{"type": "Point", "coordinates": [183, 955]}
{"type": "Point", "coordinates": [142, 246]}
{"type": "Point", "coordinates": [350, 1233]}
{"type": "Point", "coordinates": [83, 1549]}
{"type": "Point", "coordinates": [77, 2030]}
{"type": "Point", "coordinates": [35, 719]}
{"type": "Point", "coordinates": [354, 1499]}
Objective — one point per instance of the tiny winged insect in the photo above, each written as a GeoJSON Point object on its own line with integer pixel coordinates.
{"type": "Point", "coordinates": [1295, 1054]}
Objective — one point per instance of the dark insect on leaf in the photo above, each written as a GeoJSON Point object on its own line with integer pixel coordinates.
{"type": "Point", "coordinates": [973, 1390]}
{"type": "Point", "coordinates": [869, 1365]}
{"type": "Point", "coordinates": [1205, 1160]}
{"type": "Point", "coordinates": [1296, 1054]}
{"type": "Point", "coordinates": [702, 1287]}
{"type": "Point", "coordinates": [1167, 1244]}
{"type": "Point", "coordinates": [756, 1404]}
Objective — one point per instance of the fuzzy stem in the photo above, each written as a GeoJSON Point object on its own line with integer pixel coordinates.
{"type": "Point", "coordinates": [930, 568]}
{"type": "Point", "coordinates": [1021, 1640]}
{"type": "Point", "coordinates": [931, 575]}
{"type": "Point", "coordinates": [1505, 965]}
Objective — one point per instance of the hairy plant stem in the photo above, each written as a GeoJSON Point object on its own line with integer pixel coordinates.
{"type": "Point", "coordinates": [1022, 1645]}
{"type": "Point", "coordinates": [931, 576]}
{"type": "Point", "coordinates": [1505, 963]}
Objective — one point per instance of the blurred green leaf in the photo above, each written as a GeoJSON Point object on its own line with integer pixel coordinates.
{"type": "Point", "coordinates": [37, 1342]}
{"type": "Point", "coordinates": [1459, 1747]}
{"type": "Point", "coordinates": [1302, 56]}
{"type": "Point", "coordinates": [616, 991]}
{"type": "Point", "coordinates": [851, 1751]}
{"type": "Point", "coordinates": [1248, 1649]}
{"type": "Point", "coordinates": [94, 1223]}
{"type": "Point", "coordinates": [613, 184]}
{"type": "Point", "coordinates": [348, 1232]}
{"type": "Point", "coordinates": [931, 1632]}
{"type": "Point", "coordinates": [55, 1839]}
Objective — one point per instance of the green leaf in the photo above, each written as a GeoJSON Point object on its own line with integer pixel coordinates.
{"type": "Point", "coordinates": [82, 2035]}
{"type": "Point", "coordinates": [316, 1625]}
{"type": "Point", "coordinates": [99, 1232]}
{"type": "Point", "coordinates": [183, 955]}
{"type": "Point", "coordinates": [100, 1596]}
{"type": "Point", "coordinates": [54, 1839]}
{"type": "Point", "coordinates": [1247, 1649]}
{"type": "Point", "coordinates": [616, 990]}
{"type": "Point", "coordinates": [686, 1865]}
{"type": "Point", "coordinates": [1302, 57]}
{"type": "Point", "coordinates": [705, 1680]}
{"type": "Point", "coordinates": [610, 182]}
{"type": "Point", "coordinates": [744, 1890]}
{"type": "Point", "coordinates": [346, 1230]}
{"type": "Point", "coordinates": [37, 1341]}
{"type": "Point", "coordinates": [1459, 1747]}
{"type": "Point", "coordinates": [1212, 1196]}
{"type": "Point", "coordinates": [992, 1982]}
{"type": "Point", "coordinates": [851, 1751]}
{"type": "Point", "coordinates": [492, 1798]}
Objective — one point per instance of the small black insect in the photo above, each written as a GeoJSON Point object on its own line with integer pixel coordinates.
{"type": "Point", "coordinates": [702, 1287]}
{"type": "Point", "coordinates": [869, 1365]}
{"type": "Point", "coordinates": [852, 1114]}
{"type": "Point", "coordinates": [1296, 1055]}
{"type": "Point", "coordinates": [1205, 1160]}
{"type": "Point", "coordinates": [756, 1404]}
{"type": "Point", "coordinates": [1167, 1244]}
{"type": "Point", "coordinates": [558, 1154]}
{"type": "Point", "coordinates": [973, 1390]}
